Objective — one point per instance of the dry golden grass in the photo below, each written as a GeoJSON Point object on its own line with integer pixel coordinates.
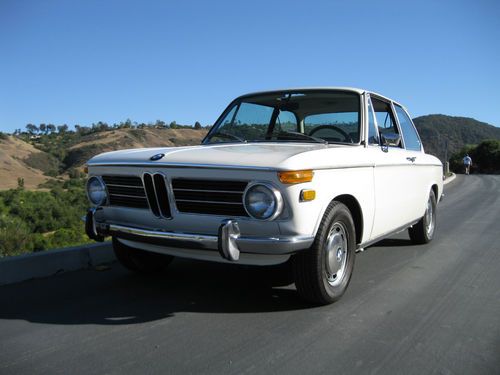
{"type": "Point", "coordinates": [12, 153]}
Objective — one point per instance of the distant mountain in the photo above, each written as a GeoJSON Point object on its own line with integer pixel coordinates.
{"type": "Point", "coordinates": [437, 130]}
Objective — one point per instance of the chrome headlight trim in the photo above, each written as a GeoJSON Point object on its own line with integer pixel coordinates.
{"type": "Point", "coordinates": [104, 190]}
{"type": "Point", "coordinates": [276, 195]}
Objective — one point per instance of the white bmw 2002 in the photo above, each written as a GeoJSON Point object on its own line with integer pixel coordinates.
{"type": "Point", "coordinates": [305, 176]}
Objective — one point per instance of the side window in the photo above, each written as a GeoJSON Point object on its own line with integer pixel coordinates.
{"type": "Point", "coordinates": [410, 136]}
{"type": "Point", "coordinates": [373, 138]}
{"type": "Point", "coordinates": [386, 122]}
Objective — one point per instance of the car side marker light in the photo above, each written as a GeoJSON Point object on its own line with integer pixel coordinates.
{"type": "Point", "coordinates": [307, 195]}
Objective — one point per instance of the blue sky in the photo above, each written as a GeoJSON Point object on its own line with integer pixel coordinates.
{"type": "Point", "coordinates": [79, 62]}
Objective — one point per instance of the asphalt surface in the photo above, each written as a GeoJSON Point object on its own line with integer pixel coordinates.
{"type": "Point", "coordinates": [432, 309]}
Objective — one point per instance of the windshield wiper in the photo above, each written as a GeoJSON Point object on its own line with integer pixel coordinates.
{"type": "Point", "coordinates": [228, 136]}
{"type": "Point", "coordinates": [300, 136]}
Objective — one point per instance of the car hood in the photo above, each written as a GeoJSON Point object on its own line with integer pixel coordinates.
{"type": "Point", "coordinates": [284, 156]}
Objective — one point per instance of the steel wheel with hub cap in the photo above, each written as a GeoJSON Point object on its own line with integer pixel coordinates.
{"type": "Point", "coordinates": [323, 272]}
{"type": "Point", "coordinates": [423, 231]}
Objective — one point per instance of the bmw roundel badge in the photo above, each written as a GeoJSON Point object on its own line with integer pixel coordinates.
{"type": "Point", "coordinates": [156, 157]}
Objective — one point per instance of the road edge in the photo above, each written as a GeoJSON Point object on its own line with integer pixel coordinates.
{"type": "Point", "coordinates": [449, 179]}
{"type": "Point", "coordinates": [52, 262]}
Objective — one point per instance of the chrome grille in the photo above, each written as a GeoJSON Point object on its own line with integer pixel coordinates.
{"type": "Point", "coordinates": [157, 194]}
{"type": "Point", "coordinates": [214, 197]}
{"type": "Point", "coordinates": [125, 191]}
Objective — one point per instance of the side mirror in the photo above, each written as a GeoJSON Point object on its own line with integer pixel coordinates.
{"type": "Point", "coordinates": [390, 139]}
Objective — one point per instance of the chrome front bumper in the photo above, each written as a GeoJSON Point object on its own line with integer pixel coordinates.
{"type": "Point", "coordinates": [229, 242]}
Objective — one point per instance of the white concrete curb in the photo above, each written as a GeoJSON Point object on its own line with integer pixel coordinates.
{"type": "Point", "coordinates": [51, 262]}
{"type": "Point", "coordinates": [449, 179]}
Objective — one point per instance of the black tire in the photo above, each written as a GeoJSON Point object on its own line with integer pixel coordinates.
{"type": "Point", "coordinates": [311, 267]}
{"type": "Point", "coordinates": [423, 232]}
{"type": "Point", "coordinates": [140, 260]}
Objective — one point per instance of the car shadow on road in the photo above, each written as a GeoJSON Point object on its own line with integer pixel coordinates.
{"type": "Point", "coordinates": [393, 242]}
{"type": "Point", "coordinates": [116, 296]}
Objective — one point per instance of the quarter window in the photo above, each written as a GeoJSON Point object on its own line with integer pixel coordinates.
{"type": "Point", "coordinates": [410, 136]}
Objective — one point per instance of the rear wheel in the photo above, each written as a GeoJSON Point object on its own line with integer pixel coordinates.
{"type": "Point", "coordinates": [423, 231]}
{"type": "Point", "coordinates": [322, 273]}
{"type": "Point", "coordinates": [140, 260]}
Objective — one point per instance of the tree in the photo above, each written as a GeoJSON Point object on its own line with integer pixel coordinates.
{"type": "Point", "coordinates": [62, 128]}
{"type": "Point", "coordinates": [173, 125]}
{"type": "Point", "coordinates": [20, 183]}
{"type": "Point", "coordinates": [43, 128]}
{"type": "Point", "coordinates": [51, 128]}
{"type": "Point", "coordinates": [160, 124]}
{"type": "Point", "coordinates": [32, 129]}
{"type": "Point", "coordinates": [197, 125]}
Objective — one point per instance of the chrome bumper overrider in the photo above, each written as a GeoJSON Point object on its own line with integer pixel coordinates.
{"type": "Point", "coordinates": [229, 242]}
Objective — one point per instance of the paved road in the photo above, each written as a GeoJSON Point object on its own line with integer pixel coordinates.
{"type": "Point", "coordinates": [432, 309]}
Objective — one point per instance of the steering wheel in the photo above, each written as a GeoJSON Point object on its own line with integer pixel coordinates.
{"type": "Point", "coordinates": [332, 127]}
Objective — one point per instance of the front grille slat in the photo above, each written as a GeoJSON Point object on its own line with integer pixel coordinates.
{"type": "Point", "coordinates": [213, 197]}
{"type": "Point", "coordinates": [209, 196]}
{"type": "Point", "coordinates": [217, 185]}
{"type": "Point", "coordinates": [133, 202]}
{"type": "Point", "coordinates": [162, 195]}
{"type": "Point", "coordinates": [125, 191]}
{"type": "Point", "coordinates": [119, 190]}
{"type": "Point", "coordinates": [151, 194]}
{"type": "Point", "coordinates": [122, 180]}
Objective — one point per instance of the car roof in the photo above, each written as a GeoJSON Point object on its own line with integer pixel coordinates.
{"type": "Point", "coordinates": [315, 88]}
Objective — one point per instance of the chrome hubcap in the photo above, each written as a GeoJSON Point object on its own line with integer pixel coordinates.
{"type": "Point", "coordinates": [336, 253]}
{"type": "Point", "coordinates": [429, 218]}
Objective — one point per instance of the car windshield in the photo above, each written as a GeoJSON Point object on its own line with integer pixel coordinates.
{"type": "Point", "coordinates": [308, 116]}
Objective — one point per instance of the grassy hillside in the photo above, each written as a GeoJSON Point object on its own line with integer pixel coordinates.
{"type": "Point", "coordinates": [457, 132]}
{"type": "Point", "coordinates": [93, 144]}
{"type": "Point", "coordinates": [21, 160]}
{"type": "Point", "coordinates": [40, 161]}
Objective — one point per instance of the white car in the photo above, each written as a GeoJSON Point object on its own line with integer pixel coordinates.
{"type": "Point", "coordinates": [305, 176]}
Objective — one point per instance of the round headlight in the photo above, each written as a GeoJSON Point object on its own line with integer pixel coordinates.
{"type": "Point", "coordinates": [96, 191]}
{"type": "Point", "coordinates": [263, 201]}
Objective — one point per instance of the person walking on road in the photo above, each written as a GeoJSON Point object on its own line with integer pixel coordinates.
{"type": "Point", "coordinates": [467, 163]}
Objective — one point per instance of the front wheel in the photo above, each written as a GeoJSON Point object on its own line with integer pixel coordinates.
{"type": "Point", "coordinates": [140, 260]}
{"type": "Point", "coordinates": [322, 273]}
{"type": "Point", "coordinates": [423, 232]}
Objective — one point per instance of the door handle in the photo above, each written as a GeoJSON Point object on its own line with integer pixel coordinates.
{"type": "Point", "coordinates": [412, 159]}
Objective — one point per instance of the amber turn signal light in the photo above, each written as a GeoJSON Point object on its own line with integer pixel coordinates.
{"type": "Point", "coordinates": [307, 195]}
{"type": "Point", "coordinates": [85, 169]}
{"type": "Point", "coordinates": [296, 177]}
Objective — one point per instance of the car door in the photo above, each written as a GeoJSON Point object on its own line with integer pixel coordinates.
{"type": "Point", "coordinates": [421, 172]}
{"type": "Point", "coordinates": [393, 174]}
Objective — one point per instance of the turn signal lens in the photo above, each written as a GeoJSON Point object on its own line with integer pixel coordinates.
{"type": "Point", "coordinates": [307, 195]}
{"type": "Point", "coordinates": [296, 177]}
{"type": "Point", "coordinates": [85, 169]}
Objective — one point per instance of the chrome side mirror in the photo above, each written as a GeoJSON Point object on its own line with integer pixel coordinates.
{"type": "Point", "coordinates": [390, 139]}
